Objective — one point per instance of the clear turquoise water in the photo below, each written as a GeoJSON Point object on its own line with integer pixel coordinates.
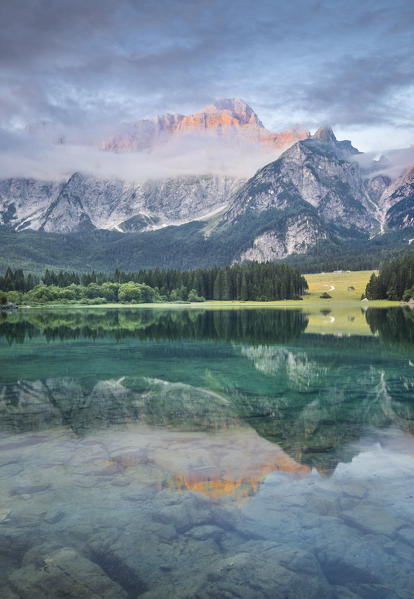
{"type": "Point", "coordinates": [197, 454]}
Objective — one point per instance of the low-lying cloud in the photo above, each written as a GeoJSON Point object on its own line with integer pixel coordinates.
{"type": "Point", "coordinates": [188, 156]}
{"type": "Point", "coordinates": [391, 163]}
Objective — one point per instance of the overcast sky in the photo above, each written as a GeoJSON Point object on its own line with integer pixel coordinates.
{"type": "Point", "coordinates": [88, 65]}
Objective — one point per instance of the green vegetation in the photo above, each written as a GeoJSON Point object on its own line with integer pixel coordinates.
{"type": "Point", "coordinates": [247, 282]}
{"type": "Point", "coordinates": [395, 280]}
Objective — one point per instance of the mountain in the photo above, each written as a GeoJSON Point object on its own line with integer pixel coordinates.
{"type": "Point", "coordinates": [24, 202]}
{"type": "Point", "coordinates": [313, 192]}
{"type": "Point", "coordinates": [84, 202]}
{"type": "Point", "coordinates": [314, 198]}
{"type": "Point", "coordinates": [400, 197]}
{"type": "Point", "coordinates": [229, 118]}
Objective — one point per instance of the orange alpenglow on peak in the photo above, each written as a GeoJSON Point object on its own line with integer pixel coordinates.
{"type": "Point", "coordinates": [231, 118]}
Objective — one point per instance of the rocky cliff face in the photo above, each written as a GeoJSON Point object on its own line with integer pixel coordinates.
{"type": "Point", "coordinates": [23, 202]}
{"type": "Point", "coordinates": [399, 197]}
{"type": "Point", "coordinates": [226, 117]}
{"type": "Point", "coordinates": [296, 236]}
{"type": "Point", "coordinates": [86, 202]}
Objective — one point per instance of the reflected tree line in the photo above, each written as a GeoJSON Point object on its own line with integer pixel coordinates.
{"type": "Point", "coordinates": [240, 326]}
{"type": "Point", "coordinates": [394, 326]}
{"type": "Point", "coordinates": [256, 327]}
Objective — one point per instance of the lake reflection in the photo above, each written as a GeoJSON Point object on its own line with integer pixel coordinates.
{"type": "Point", "coordinates": [190, 453]}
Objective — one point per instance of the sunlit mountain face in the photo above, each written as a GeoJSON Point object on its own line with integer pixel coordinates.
{"type": "Point", "coordinates": [229, 118]}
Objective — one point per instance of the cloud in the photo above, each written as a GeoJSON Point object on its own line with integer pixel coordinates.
{"type": "Point", "coordinates": [391, 163]}
{"type": "Point", "coordinates": [89, 65]}
{"type": "Point", "coordinates": [190, 155]}
{"type": "Point", "coordinates": [89, 62]}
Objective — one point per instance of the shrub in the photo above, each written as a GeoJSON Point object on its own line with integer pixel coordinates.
{"type": "Point", "coordinates": [137, 293]}
{"type": "Point", "coordinates": [407, 296]}
{"type": "Point", "coordinates": [193, 297]}
{"type": "Point", "coordinates": [15, 297]}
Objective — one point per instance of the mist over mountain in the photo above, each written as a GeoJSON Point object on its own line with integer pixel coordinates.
{"type": "Point", "coordinates": [317, 190]}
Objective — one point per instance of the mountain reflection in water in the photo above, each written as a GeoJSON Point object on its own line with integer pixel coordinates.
{"type": "Point", "coordinates": [197, 454]}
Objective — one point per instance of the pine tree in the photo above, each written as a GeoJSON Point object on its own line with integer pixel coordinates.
{"type": "Point", "coordinates": [243, 289]}
{"type": "Point", "coordinates": [218, 286]}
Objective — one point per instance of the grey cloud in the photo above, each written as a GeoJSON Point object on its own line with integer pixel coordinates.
{"type": "Point", "coordinates": [40, 160]}
{"type": "Point", "coordinates": [89, 65]}
{"type": "Point", "coordinates": [359, 90]}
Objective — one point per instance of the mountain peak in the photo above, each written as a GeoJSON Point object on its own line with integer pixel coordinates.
{"type": "Point", "coordinates": [344, 149]}
{"type": "Point", "coordinates": [231, 118]}
{"type": "Point", "coordinates": [236, 107]}
{"type": "Point", "coordinates": [324, 134]}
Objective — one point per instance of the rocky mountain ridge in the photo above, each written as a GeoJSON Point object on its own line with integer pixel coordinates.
{"type": "Point", "coordinates": [314, 192]}
{"type": "Point", "coordinates": [86, 202]}
{"type": "Point", "coordinates": [228, 118]}
{"type": "Point", "coordinates": [399, 196]}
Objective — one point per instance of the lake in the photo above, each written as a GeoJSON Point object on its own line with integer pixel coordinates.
{"type": "Point", "coordinates": [191, 453]}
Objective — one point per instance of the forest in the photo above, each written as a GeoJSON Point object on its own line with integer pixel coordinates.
{"type": "Point", "coordinates": [395, 280]}
{"type": "Point", "coordinates": [247, 282]}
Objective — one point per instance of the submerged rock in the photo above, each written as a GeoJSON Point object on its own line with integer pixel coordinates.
{"type": "Point", "coordinates": [64, 573]}
{"type": "Point", "coordinates": [267, 571]}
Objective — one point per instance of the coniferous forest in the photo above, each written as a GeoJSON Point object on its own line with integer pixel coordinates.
{"type": "Point", "coordinates": [395, 280]}
{"type": "Point", "coordinates": [248, 282]}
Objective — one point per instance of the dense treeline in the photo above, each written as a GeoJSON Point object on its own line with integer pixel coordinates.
{"type": "Point", "coordinates": [252, 281]}
{"type": "Point", "coordinates": [17, 281]}
{"type": "Point", "coordinates": [395, 280]}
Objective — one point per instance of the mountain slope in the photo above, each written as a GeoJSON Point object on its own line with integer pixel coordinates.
{"type": "Point", "coordinates": [400, 198]}
{"type": "Point", "coordinates": [24, 202]}
{"type": "Point", "coordinates": [312, 192]}
{"type": "Point", "coordinates": [84, 201]}
{"type": "Point", "coordinates": [230, 118]}
{"type": "Point", "coordinates": [319, 172]}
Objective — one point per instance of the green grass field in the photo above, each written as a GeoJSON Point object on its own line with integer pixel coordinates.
{"type": "Point", "coordinates": [342, 286]}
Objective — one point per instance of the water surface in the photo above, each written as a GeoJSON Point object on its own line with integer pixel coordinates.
{"type": "Point", "coordinates": [197, 454]}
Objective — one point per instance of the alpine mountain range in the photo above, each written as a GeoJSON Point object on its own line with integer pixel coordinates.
{"type": "Point", "coordinates": [317, 191]}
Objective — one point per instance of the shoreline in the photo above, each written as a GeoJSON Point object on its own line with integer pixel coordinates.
{"type": "Point", "coordinates": [344, 287]}
{"type": "Point", "coordinates": [301, 304]}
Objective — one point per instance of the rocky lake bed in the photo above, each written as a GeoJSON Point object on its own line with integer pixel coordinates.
{"type": "Point", "coordinates": [200, 468]}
